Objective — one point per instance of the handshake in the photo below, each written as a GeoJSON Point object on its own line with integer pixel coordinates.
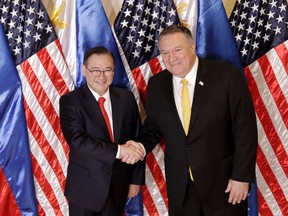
{"type": "Point", "coordinates": [131, 152]}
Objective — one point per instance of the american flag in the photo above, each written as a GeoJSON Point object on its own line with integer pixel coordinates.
{"type": "Point", "coordinates": [260, 30]}
{"type": "Point", "coordinates": [45, 77]}
{"type": "Point", "coordinates": [137, 27]}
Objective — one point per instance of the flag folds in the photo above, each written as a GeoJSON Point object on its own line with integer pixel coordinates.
{"type": "Point", "coordinates": [16, 180]}
{"type": "Point", "coordinates": [260, 30]}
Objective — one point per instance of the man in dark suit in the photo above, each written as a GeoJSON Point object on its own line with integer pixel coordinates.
{"type": "Point", "coordinates": [98, 182]}
{"type": "Point", "coordinates": [209, 158]}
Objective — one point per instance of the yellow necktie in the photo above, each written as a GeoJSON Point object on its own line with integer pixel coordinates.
{"type": "Point", "coordinates": [186, 111]}
{"type": "Point", "coordinates": [186, 108]}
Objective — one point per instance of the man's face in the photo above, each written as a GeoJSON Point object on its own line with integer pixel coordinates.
{"type": "Point", "coordinates": [178, 53]}
{"type": "Point", "coordinates": [94, 63]}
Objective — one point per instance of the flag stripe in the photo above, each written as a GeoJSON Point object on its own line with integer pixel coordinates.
{"type": "Point", "coordinates": [52, 71]}
{"type": "Point", "coordinates": [273, 85]}
{"type": "Point", "coordinates": [266, 121]}
{"type": "Point", "coordinates": [44, 101]}
{"type": "Point", "coordinates": [270, 204]}
{"type": "Point", "coordinates": [47, 188]}
{"type": "Point", "coordinates": [271, 180]}
{"type": "Point", "coordinates": [140, 83]}
{"type": "Point", "coordinates": [282, 52]}
{"type": "Point", "coordinates": [265, 210]}
{"type": "Point", "coordinates": [155, 65]}
{"type": "Point", "coordinates": [157, 174]}
{"type": "Point", "coordinates": [148, 202]}
{"type": "Point", "coordinates": [7, 197]}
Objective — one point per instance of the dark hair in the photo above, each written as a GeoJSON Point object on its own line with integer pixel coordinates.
{"type": "Point", "coordinates": [176, 29]}
{"type": "Point", "coordinates": [99, 50]}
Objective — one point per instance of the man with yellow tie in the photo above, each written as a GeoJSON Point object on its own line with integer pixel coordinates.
{"type": "Point", "coordinates": [204, 112]}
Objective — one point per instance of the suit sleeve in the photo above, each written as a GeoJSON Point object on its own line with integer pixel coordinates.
{"type": "Point", "coordinates": [244, 129]}
{"type": "Point", "coordinates": [138, 177]}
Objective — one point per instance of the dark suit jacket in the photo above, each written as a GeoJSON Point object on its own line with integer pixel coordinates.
{"type": "Point", "coordinates": [92, 167]}
{"type": "Point", "coordinates": [222, 138]}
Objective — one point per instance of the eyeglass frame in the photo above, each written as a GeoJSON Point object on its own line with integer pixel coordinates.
{"type": "Point", "coordinates": [100, 71]}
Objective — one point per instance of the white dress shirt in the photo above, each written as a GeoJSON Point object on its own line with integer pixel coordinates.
{"type": "Point", "coordinates": [177, 88]}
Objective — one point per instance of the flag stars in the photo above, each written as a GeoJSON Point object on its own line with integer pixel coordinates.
{"type": "Point", "coordinates": [233, 23]}
{"type": "Point", "coordinates": [279, 18]}
{"type": "Point", "coordinates": [124, 23]}
{"type": "Point", "coordinates": [238, 37]}
{"type": "Point", "coordinates": [246, 41]}
{"type": "Point", "coordinates": [243, 15]}
{"type": "Point", "coordinates": [136, 17]}
{"type": "Point", "coordinates": [36, 37]}
{"type": "Point", "coordinates": [14, 13]}
{"type": "Point", "coordinates": [138, 43]}
{"type": "Point", "coordinates": [39, 25]}
{"type": "Point", "coordinates": [29, 21]}
{"type": "Point", "coordinates": [16, 50]}
{"type": "Point", "coordinates": [30, 10]}
{"type": "Point", "coordinates": [257, 34]}
{"type": "Point", "coordinates": [282, 7]}
{"type": "Point", "coordinates": [157, 3]}
{"type": "Point", "coordinates": [27, 33]}
{"type": "Point", "coordinates": [254, 8]}
{"type": "Point", "coordinates": [145, 22]}
{"type": "Point", "coordinates": [2, 20]}
{"type": "Point", "coordinates": [130, 2]}
{"type": "Point", "coordinates": [20, 28]}
{"type": "Point", "coordinates": [249, 30]}
{"type": "Point", "coordinates": [48, 28]}
{"type": "Point", "coordinates": [133, 28]}
{"type": "Point", "coordinates": [16, 2]}
{"type": "Point", "coordinates": [163, 8]}
{"type": "Point", "coordinates": [150, 37]}
{"type": "Point", "coordinates": [172, 12]}
{"type": "Point", "coordinates": [255, 45]}
{"type": "Point", "coordinates": [262, 11]}
{"type": "Point", "coordinates": [11, 24]}
{"type": "Point", "coordinates": [266, 37]}
{"type": "Point", "coordinates": [277, 30]}
{"type": "Point", "coordinates": [260, 22]}
{"type": "Point", "coordinates": [270, 15]}
{"type": "Point", "coordinates": [241, 26]}
{"type": "Point", "coordinates": [246, 4]}
{"type": "Point", "coordinates": [252, 18]}
{"type": "Point", "coordinates": [141, 33]}
{"type": "Point", "coordinates": [273, 4]}
{"type": "Point", "coordinates": [127, 13]}
{"type": "Point", "coordinates": [244, 52]}
{"type": "Point", "coordinates": [4, 9]}
{"type": "Point", "coordinates": [23, 6]}
{"type": "Point", "coordinates": [153, 26]}
{"type": "Point", "coordinates": [130, 38]}
{"type": "Point", "coordinates": [26, 44]}
{"type": "Point", "coordinates": [9, 35]}
{"type": "Point", "coordinates": [268, 26]}
{"type": "Point", "coordinates": [139, 6]}
{"type": "Point", "coordinates": [18, 39]}
{"type": "Point", "coordinates": [40, 14]}
{"type": "Point", "coordinates": [170, 22]}
{"type": "Point", "coordinates": [135, 54]}
{"type": "Point", "coordinates": [154, 15]}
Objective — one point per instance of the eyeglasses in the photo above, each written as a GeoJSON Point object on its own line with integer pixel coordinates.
{"type": "Point", "coordinates": [97, 72]}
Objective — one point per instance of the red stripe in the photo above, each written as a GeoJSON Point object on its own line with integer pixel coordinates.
{"type": "Point", "coordinates": [40, 210]}
{"type": "Point", "coordinates": [271, 181]}
{"type": "Point", "coordinates": [44, 145]}
{"type": "Point", "coordinates": [140, 83]}
{"type": "Point", "coordinates": [158, 176]}
{"type": "Point", "coordinates": [265, 120]}
{"type": "Point", "coordinates": [263, 208]}
{"type": "Point", "coordinates": [45, 103]}
{"type": "Point", "coordinates": [282, 52]}
{"type": "Point", "coordinates": [8, 205]}
{"type": "Point", "coordinates": [274, 87]}
{"type": "Point", "coordinates": [46, 187]}
{"type": "Point", "coordinates": [149, 203]}
{"type": "Point", "coordinates": [52, 71]}
{"type": "Point", "coordinates": [155, 65]}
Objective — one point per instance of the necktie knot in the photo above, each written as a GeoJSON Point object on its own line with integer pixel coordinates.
{"type": "Point", "coordinates": [101, 100]}
{"type": "Point", "coordinates": [184, 82]}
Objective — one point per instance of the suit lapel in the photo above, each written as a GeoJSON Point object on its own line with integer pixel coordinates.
{"type": "Point", "coordinates": [117, 112]}
{"type": "Point", "coordinates": [94, 110]}
{"type": "Point", "coordinates": [169, 94]}
{"type": "Point", "coordinates": [201, 85]}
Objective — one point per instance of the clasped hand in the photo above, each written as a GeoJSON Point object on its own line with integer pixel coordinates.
{"type": "Point", "coordinates": [131, 152]}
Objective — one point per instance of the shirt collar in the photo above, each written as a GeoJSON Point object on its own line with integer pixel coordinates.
{"type": "Point", "coordinates": [106, 95]}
